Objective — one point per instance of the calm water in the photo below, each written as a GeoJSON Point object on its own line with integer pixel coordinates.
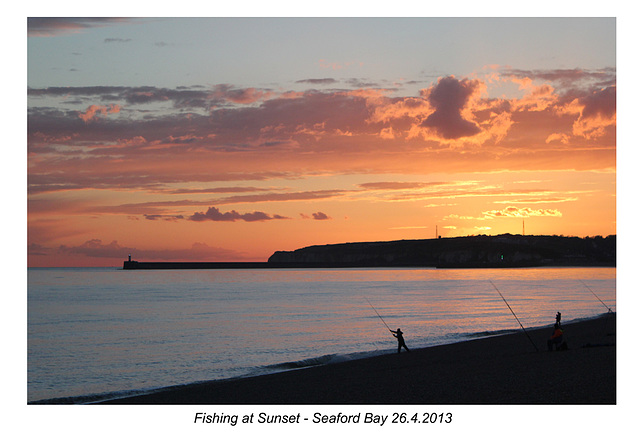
{"type": "Point", "coordinates": [102, 330]}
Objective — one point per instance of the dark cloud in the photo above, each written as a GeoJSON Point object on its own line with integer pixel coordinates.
{"type": "Point", "coordinates": [568, 78]}
{"type": "Point", "coordinates": [163, 217]}
{"type": "Point", "coordinates": [317, 216]}
{"type": "Point", "coordinates": [233, 114]}
{"type": "Point", "coordinates": [117, 40]}
{"type": "Point", "coordinates": [602, 103]}
{"type": "Point", "coordinates": [209, 190]}
{"type": "Point", "coordinates": [80, 173]}
{"type": "Point", "coordinates": [284, 196]}
{"type": "Point", "coordinates": [96, 249]}
{"type": "Point", "coordinates": [395, 185]}
{"type": "Point", "coordinates": [449, 98]}
{"type": "Point", "coordinates": [318, 81]}
{"type": "Point", "coordinates": [179, 97]}
{"type": "Point", "coordinates": [75, 91]}
{"type": "Point", "coordinates": [196, 97]}
{"type": "Point", "coordinates": [363, 84]}
{"type": "Point", "coordinates": [320, 216]}
{"type": "Point", "coordinates": [50, 26]}
{"type": "Point", "coordinates": [158, 208]}
{"type": "Point", "coordinates": [250, 95]}
{"type": "Point", "coordinates": [213, 214]}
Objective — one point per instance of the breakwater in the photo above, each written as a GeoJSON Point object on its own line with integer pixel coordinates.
{"type": "Point", "coordinates": [159, 265]}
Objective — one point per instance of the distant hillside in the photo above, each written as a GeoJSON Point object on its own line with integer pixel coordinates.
{"type": "Point", "coordinates": [471, 251]}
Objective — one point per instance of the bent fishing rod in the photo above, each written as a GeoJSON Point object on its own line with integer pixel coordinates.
{"type": "Point", "coordinates": [588, 288]}
{"type": "Point", "coordinates": [374, 309]}
{"type": "Point", "coordinates": [514, 315]}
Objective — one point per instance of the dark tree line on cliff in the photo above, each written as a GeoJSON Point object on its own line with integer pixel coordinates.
{"type": "Point", "coordinates": [473, 251]}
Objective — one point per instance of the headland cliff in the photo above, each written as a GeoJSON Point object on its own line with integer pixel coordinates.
{"type": "Point", "coordinates": [472, 251]}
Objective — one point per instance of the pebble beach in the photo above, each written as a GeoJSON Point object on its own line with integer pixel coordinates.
{"type": "Point", "coordinates": [515, 368]}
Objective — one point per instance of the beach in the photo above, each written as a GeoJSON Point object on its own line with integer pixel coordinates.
{"type": "Point", "coordinates": [514, 368]}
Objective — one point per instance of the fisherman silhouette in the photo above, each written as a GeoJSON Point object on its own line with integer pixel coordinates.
{"type": "Point", "coordinates": [556, 338]}
{"type": "Point", "coordinates": [398, 335]}
{"type": "Point", "coordinates": [558, 316]}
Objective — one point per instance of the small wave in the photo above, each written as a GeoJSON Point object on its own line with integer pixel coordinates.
{"type": "Point", "coordinates": [251, 372]}
{"type": "Point", "coordinates": [488, 333]}
{"type": "Point", "coordinates": [310, 362]}
{"type": "Point", "coordinates": [90, 398]}
{"type": "Point", "coordinates": [313, 362]}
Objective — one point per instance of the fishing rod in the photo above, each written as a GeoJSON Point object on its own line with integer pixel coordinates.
{"type": "Point", "coordinates": [605, 305]}
{"type": "Point", "coordinates": [514, 315]}
{"type": "Point", "coordinates": [374, 309]}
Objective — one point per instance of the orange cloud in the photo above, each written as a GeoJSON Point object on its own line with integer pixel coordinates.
{"type": "Point", "coordinates": [562, 138]}
{"type": "Point", "coordinates": [386, 110]}
{"type": "Point", "coordinates": [537, 99]}
{"type": "Point", "coordinates": [524, 212]}
{"type": "Point", "coordinates": [598, 112]}
{"type": "Point", "coordinates": [93, 111]}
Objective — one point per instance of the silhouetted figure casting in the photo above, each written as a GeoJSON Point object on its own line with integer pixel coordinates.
{"type": "Point", "coordinates": [556, 338]}
{"type": "Point", "coordinates": [398, 335]}
{"type": "Point", "coordinates": [558, 316]}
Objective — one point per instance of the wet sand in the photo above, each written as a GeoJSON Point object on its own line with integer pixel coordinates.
{"type": "Point", "coordinates": [498, 370]}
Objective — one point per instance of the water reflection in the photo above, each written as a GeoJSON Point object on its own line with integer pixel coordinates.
{"type": "Point", "coordinates": [92, 331]}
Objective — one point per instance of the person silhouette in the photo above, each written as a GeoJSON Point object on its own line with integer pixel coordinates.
{"type": "Point", "coordinates": [400, 338]}
{"type": "Point", "coordinates": [556, 338]}
{"type": "Point", "coordinates": [558, 317]}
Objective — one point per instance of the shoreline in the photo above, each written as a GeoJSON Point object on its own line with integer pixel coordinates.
{"type": "Point", "coordinates": [503, 369]}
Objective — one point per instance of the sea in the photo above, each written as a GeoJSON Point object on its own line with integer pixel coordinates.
{"type": "Point", "coordinates": [99, 333]}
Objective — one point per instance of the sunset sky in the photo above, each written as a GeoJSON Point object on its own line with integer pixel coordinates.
{"type": "Point", "coordinates": [202, 139]}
